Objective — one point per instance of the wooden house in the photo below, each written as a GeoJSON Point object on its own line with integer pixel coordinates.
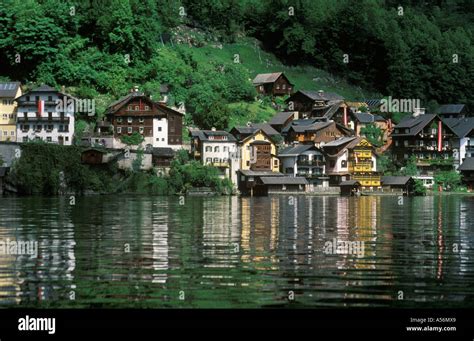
{"type": "Point", "coordinates": [273, 84]}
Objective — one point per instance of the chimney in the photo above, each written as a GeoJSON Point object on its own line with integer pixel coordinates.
{"type": "Point", "coordinates": [320, 92]}
{"type": "Point", "coordinates": [418, 111]}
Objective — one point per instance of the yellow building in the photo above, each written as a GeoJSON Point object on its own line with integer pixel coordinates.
{"type": "Point", "coordinates": [8, 92]}
{"type": "Point", "coordinates": [258, 153]}
{"type": "Point", "coordinates": [363, 163]}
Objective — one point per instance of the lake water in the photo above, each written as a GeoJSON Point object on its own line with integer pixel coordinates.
{"type": "Point", "coordinates": [231, 252]}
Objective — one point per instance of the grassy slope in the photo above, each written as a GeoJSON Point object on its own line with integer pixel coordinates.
{"type": "Point", "coordinates": [258, 61]}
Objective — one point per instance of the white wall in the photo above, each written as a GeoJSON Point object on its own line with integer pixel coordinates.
{"type": "Point", "coordinates": [160, 138]}
{"type": "Point", "coordinates": [44, 134]}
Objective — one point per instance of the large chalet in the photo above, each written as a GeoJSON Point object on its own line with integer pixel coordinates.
{"type": "Point", "coordinates": [273, 84]}
{"type": "Point", "coordinates": [160, 126]}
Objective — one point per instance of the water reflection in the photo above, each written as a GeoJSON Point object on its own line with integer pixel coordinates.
{"type": "Point", "coordinates": [238, 252]}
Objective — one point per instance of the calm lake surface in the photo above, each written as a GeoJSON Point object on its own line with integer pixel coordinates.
{"type": "Point", "coordinates": [231, 252]}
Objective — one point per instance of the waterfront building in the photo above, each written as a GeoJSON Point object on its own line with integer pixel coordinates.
{"type": "Point", "coordinates": [8, 110]}
{"type": "Point", "coordinates": [40, 117]}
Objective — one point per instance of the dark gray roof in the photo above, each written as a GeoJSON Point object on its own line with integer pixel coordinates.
{"type": "Point", "coordinates": [297, 123]}
{"type": "Point", "coordinates": [163, 152]}
{"type": "Point", "coordinates": [284, 180]}
{"type": "Point", "coordinates": [367, 118]}
{"type": "Point", "coordinates": [203, 135]}
{"type": "Point", "coordinates": [311, 127]}
{"type": "Point", "coordinates": [281, 117]}
{"type": "Point", "coordinates": [414, 124]}
{"type": "Point", "coordinates": [249, 130]}
{"type": "Point", "coordinates": [460, 126]}
{"type": "Point", "coordinates": [9, 89]}
{"type": "Point", "coordinates": [373, 102]}
{"type": "Point", "coordinates": [340, 141]}
{"type": "Point", "coordinates": [325, 96]}
{"type": "Point", "coordinates": [349, 183]}
{"type": "Point", "coordinates": [260, 173]}
{"type": "Point", "coordinates": [296, 150]}
{"type": "Point", "coordinates": [44, 88]}
{"type": "Point", "coordinates": [395, 180]}
{"type": "Point", "coordinates": [450, 109]}
{"type": "Point", "coordinates": [332, 110]}
{"type": "Point", "coordinates": [164, 88]}
{"type": "Point", "coordinates": [467, 165]}
{"type": "Point", "coordinates": [263, 78]}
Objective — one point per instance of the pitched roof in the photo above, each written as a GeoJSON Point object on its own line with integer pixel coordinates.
{"type": "Point", "coordinates": [467, 165]}
{"type": "Point", "coordinates": [450, 109]}
{"type": "Point", "coordinates": [460, 126]}
{"type": "Point", "coordinates": [284, 180]}
{"type": "Point", "coordinates": [204, 135]}
{"type": "Point", "coordinates": [267, 128]}
{"type": "Point", "coordinates": [367, 117]}
{"type": "Point", "coordinates": [311, 127]}
{"type": "Point", "coordinates": [332, 110]}
{"type": "Point", "coordinates": [321, 95]}
{"type": "Point", "coordinates": [9, 89]}
{"type": "Point", "coordinates": [414, 124]}
{"type": "Point", "coordinates": [373, 102]}
{"type": "Point", "coordinates": [163, 152]}
{"type": "Point", "coordinates": [296, 150]}
{"type": "Point", "coordinates": [349, 183]}
{"type": "Point", "coordinates": [340, 141]}
{"type": "Point", "coordinates": [298, 122]}
{"type": "Point", "coordinates": [263, 78]}
{"type": "Point", "coordinates": [260, 173]}
{"type": "Point", "coordinates": [44, 88]}
{"type": "Point", "coordinates": [395, 180]}
{"type": "Point", "coordinates": [281, 117]}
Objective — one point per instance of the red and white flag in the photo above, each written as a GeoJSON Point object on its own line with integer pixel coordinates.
{"type": "Point", "coordinates": [440, 137]}
{"type": "Point", "coordinates": [40, 107]}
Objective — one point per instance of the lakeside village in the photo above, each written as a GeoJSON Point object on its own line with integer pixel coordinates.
{"type": "Point", "coordinates": [317, 144]}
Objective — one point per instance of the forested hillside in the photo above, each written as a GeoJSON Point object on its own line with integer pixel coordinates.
{"type": "Point", "coordinates": [102, 48]}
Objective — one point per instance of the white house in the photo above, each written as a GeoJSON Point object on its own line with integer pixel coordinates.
{"type": "Point", "coordinates": [463, 142]}
{"type": "Point", "coordinates": [217, 148]}
{"type": "Point", "coordinates": [40, 116]}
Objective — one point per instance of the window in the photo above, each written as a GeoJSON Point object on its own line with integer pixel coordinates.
{"type": "Point", "coordinates": [5, 133]}
{"type": "Point", "coordinates": [147, 107]}
{"type": "Point", "coordinates": [405, 143]}
{"type": "Point", "coordinates": [27, 99]}
{"type": "Point", "coordinates": [159, 128]}
{"type": "Point", "coordinates": [216, 149]}
{"type": "Point", "coordinates": [162, 139]}
{"type": "Point", "coordinates": [344, 163]}
{"type": "Point", "coordinates": [12, 133]}
{"type": "Point", "coordinates": [216, 160]}
{"type": "Point", "coordinates": [141, 120]}
{"type": "Point", "coordinates": [129, 130]}
{"type": "Point", "coordinates": [141, 129]}
{"type": "Point", "coordinates": [137, 108]}
{"type": "Point", "coordinates": [25, 139]}
{"type": "Point", "coordinates": [225, 149]}
{"type": "Point", "coordinates": [283, 187]}
{"type": "Point", "coordinates": [67, 138]}
{"type": "Point", "coordinates": [248, 163]}
{"type": "Point", "coordinates": [119, 120]}
{"type": "Point", "coordinates": [49, 139]}
{"type": "Point", "coordinates": [119, 130]}
{"type": "Point", "coordinates": [278, 87]}
{"type": "Point", "coordinates": [130, 108]}
{"type": "Point", "coordinates": [50, 98]}
{"type": "Point", "coordinates": [208, 149]}
{"type": "Point", "coordinates": [275, 163]}
{"type": "Point", "coordinates": [283, 86]}
{"type": "Point", "coordinates": [208, 160]}
{"type": "Point", "coordinates": [129, 119]}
